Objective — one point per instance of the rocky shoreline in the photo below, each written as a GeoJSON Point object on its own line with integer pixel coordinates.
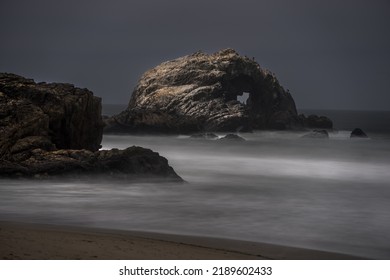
{"type": "Point", "coordinates": [53, 129]}
{"type": "Point", "coordinates": [56, 129]}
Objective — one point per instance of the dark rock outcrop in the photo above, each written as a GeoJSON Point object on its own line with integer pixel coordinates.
{"type": "Point", "coordinates": [200, 92]}
{"type": "Point", "coordinates": [358, 133]}
{"type": "Point", "coordinates": [317, 133]}
{"type": "Point", "coordinates": [131, 163]}
{"type": "Point", "coordinates": [56, 129]}
{"type": "Point", "coordinates": [70, 117]}
{"type": "Point", "coordinates": [232, 137]}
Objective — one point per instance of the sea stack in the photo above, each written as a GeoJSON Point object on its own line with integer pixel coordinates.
{"type": "Point", "coordinates": [210, 92]}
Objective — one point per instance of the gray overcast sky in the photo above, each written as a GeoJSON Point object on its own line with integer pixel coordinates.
{"type": "Point", "coordinates": [330, 54]}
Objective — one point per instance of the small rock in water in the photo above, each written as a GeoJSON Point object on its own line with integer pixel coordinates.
{"type": "Point", "coordinates": [358, 133]}
{"type": "Point", "coordinates": [314, 121]}
{"type": "Point", "coordinates": [206, 135]}
{"type": "Point", "coordinates": [317, 133]}
{"type": "Point", "coordinates": [232, 137]}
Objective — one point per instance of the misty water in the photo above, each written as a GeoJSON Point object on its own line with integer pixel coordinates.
{"type": "Point", "coordinates": [329, 194]}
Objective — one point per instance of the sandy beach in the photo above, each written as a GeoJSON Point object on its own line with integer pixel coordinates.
{"type": "Point", "coordinates": [48, 242]}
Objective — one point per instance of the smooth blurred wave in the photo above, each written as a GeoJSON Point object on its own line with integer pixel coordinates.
{"type": "Point", "coordinates": [329, 194]}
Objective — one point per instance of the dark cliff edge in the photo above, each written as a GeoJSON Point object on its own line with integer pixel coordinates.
{"type": "Point", "coordinates": [56, 129]}
{"type": "Point", "coordinates": [201, 92]}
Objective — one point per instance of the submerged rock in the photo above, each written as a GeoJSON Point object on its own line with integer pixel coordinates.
{"type": "Point", "coordinates": [203, 92]}
{"type": "Point", "coordinates": [317, 133]}
{"type": "Point", "coordinates": [232, 137]}
{"type": "Point", "coordinates": [206, 135]}
{"type": "Point", "coordinates": [56, 129]}
{"type": "Point", "coordinates": [358, 133]}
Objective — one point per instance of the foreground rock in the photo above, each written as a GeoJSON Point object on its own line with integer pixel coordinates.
{"type": "Point", "coordinates": [56, 129]}
{"type": "Point", "coordinates": [131, 163]}
{"type": "Point", "coordinates": [200, 92]}
{"type": "Point", "coordinates": [66, 116]}
{"type": "Point", "coordinates": [358, 133]}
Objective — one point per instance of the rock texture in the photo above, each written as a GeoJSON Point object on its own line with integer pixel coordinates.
{"type": "Point", "coordinates": [56, 129]}
{"type": "Point", "coordinates": [66, 116]}
{"type": "Point", "coordinates": [199, 93]}
{"type": "Point", "coordinates": [131, 163]}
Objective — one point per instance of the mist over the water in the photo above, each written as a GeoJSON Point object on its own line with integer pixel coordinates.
{"type": "Point", "coordinates": [276, 187]}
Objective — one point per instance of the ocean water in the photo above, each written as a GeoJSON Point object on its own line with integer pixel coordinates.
{"type": "Point", "coordinates": [276, 187]}
{"type": "Point", "coordinates": [370, 121]}
{"type": "Point", "coordinates": [112, 109]}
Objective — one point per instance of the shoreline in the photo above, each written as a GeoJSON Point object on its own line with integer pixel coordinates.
{"type": "Point", "coordinates": [28, 241]}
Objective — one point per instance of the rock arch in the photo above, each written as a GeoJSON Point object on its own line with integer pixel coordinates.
{"type": "Point", "coordinates": [199, 92]}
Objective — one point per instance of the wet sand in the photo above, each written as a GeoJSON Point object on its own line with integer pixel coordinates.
{"type": "Point", "coordinates": [47, 242]}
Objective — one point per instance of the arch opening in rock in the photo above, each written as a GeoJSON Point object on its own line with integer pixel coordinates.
{"type": "Point", "coordinates": [243, 98]}
{"type": "Point", "coordinates": [217, 92]}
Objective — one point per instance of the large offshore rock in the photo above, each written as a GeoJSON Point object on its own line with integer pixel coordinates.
{"type": "Point", "coordinates": [202, 92]}
{"type": "Point", "coordinates": [56, 129]}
